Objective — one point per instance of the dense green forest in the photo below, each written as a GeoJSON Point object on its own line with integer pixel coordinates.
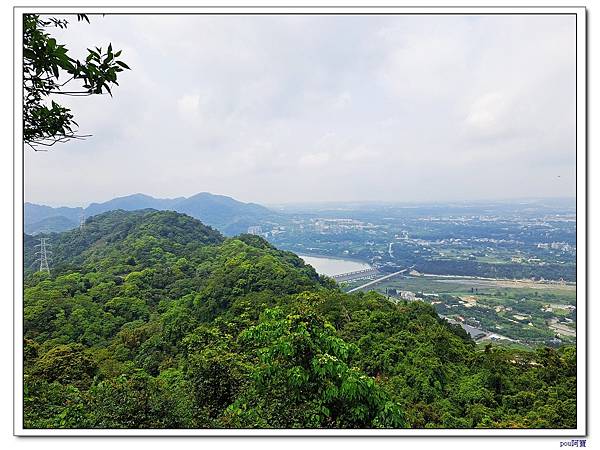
{"type": "Point", "coordinates": [150, 319]}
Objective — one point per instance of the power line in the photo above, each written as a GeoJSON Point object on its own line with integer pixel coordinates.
{"type": "Point", "coordinates": [82, 220]}
{"type": "Point", "coordinates": [43, 253]}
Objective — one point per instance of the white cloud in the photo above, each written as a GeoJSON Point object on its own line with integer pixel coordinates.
{"type": "Point", "coordinates": [361, 153]}
{"type": "Point", "coordinates": [487, 114]}
{"type": "Point", "coordinates": [314, 159]}
{"type": "Point", "coordinates": [301, 108]}
{"type": "Point", "coordinates": [188, 104]}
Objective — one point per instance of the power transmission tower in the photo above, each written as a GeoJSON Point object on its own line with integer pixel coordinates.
{"type": "Point", "coordinates": [82, 220]}
{"type": "Point", "coordinates": [43, 253]}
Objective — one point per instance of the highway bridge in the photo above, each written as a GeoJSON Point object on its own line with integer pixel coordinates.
{"type": "Point", "coordinates": [349, 276]}
{"type": "Point", "coordinates": [378, 280]}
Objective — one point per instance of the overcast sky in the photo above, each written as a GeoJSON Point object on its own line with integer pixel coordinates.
{"type": "Point", "coordinates": [275, 109]}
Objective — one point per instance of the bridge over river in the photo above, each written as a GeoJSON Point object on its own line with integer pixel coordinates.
{"type": "Point", "coordinates": [378, 280]}
{"type": "Point", "coordinates": [356, 275]}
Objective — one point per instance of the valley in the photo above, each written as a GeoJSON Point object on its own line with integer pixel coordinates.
{"type": "Point", "coordinates": [510, 260]}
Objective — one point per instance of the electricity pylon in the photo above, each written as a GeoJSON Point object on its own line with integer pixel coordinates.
{"type": "Point", "coordinates": [82, 220]}
{"type": "Point", "coordinates": [43, 254]}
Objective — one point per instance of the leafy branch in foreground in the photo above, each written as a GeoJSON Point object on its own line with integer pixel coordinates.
{"type": "Point", "coordinates": [48, 70]}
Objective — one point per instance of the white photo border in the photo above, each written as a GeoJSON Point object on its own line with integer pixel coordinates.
{"type": "Point", "coordinates": [581, 217]}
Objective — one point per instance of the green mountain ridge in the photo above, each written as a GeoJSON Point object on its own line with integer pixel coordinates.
{"type": "Point", "coordinates": [151, 319]}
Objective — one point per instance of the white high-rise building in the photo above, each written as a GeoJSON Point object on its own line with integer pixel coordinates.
{"type": "Point", "coordinates": [257, 230]}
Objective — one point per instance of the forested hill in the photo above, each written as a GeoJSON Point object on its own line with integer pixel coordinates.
{"type": "Point", "coordinates": [152, 320]}
{"type": "Point", "coordinates": [121, 238]}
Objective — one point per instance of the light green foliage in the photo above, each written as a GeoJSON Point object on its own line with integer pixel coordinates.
{"type": "Point", "coordinates": [304, 369]}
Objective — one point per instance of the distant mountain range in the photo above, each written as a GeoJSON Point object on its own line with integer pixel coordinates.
{"type": "Point", "coordinates": [226, 214]}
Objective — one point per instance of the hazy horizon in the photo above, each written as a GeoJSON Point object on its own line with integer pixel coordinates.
{"type": "Point", "coordinates": [318, 202]}
{"type": "Point", "coordinates": [307, 109]}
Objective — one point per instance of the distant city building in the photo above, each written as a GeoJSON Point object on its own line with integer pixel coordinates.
{"type": "Point", "coordinates": [408, 295]}
{"type": "Point", "coordinates": [554, 342]}
{"type": "Point", "coordinates": [256, 230]}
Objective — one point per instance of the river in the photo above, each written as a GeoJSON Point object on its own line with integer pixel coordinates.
{"type": "Point", "coordinates": [333, 266]}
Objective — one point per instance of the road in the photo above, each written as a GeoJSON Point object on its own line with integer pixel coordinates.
{"type": "Point", "coordinates": [370, 283]}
